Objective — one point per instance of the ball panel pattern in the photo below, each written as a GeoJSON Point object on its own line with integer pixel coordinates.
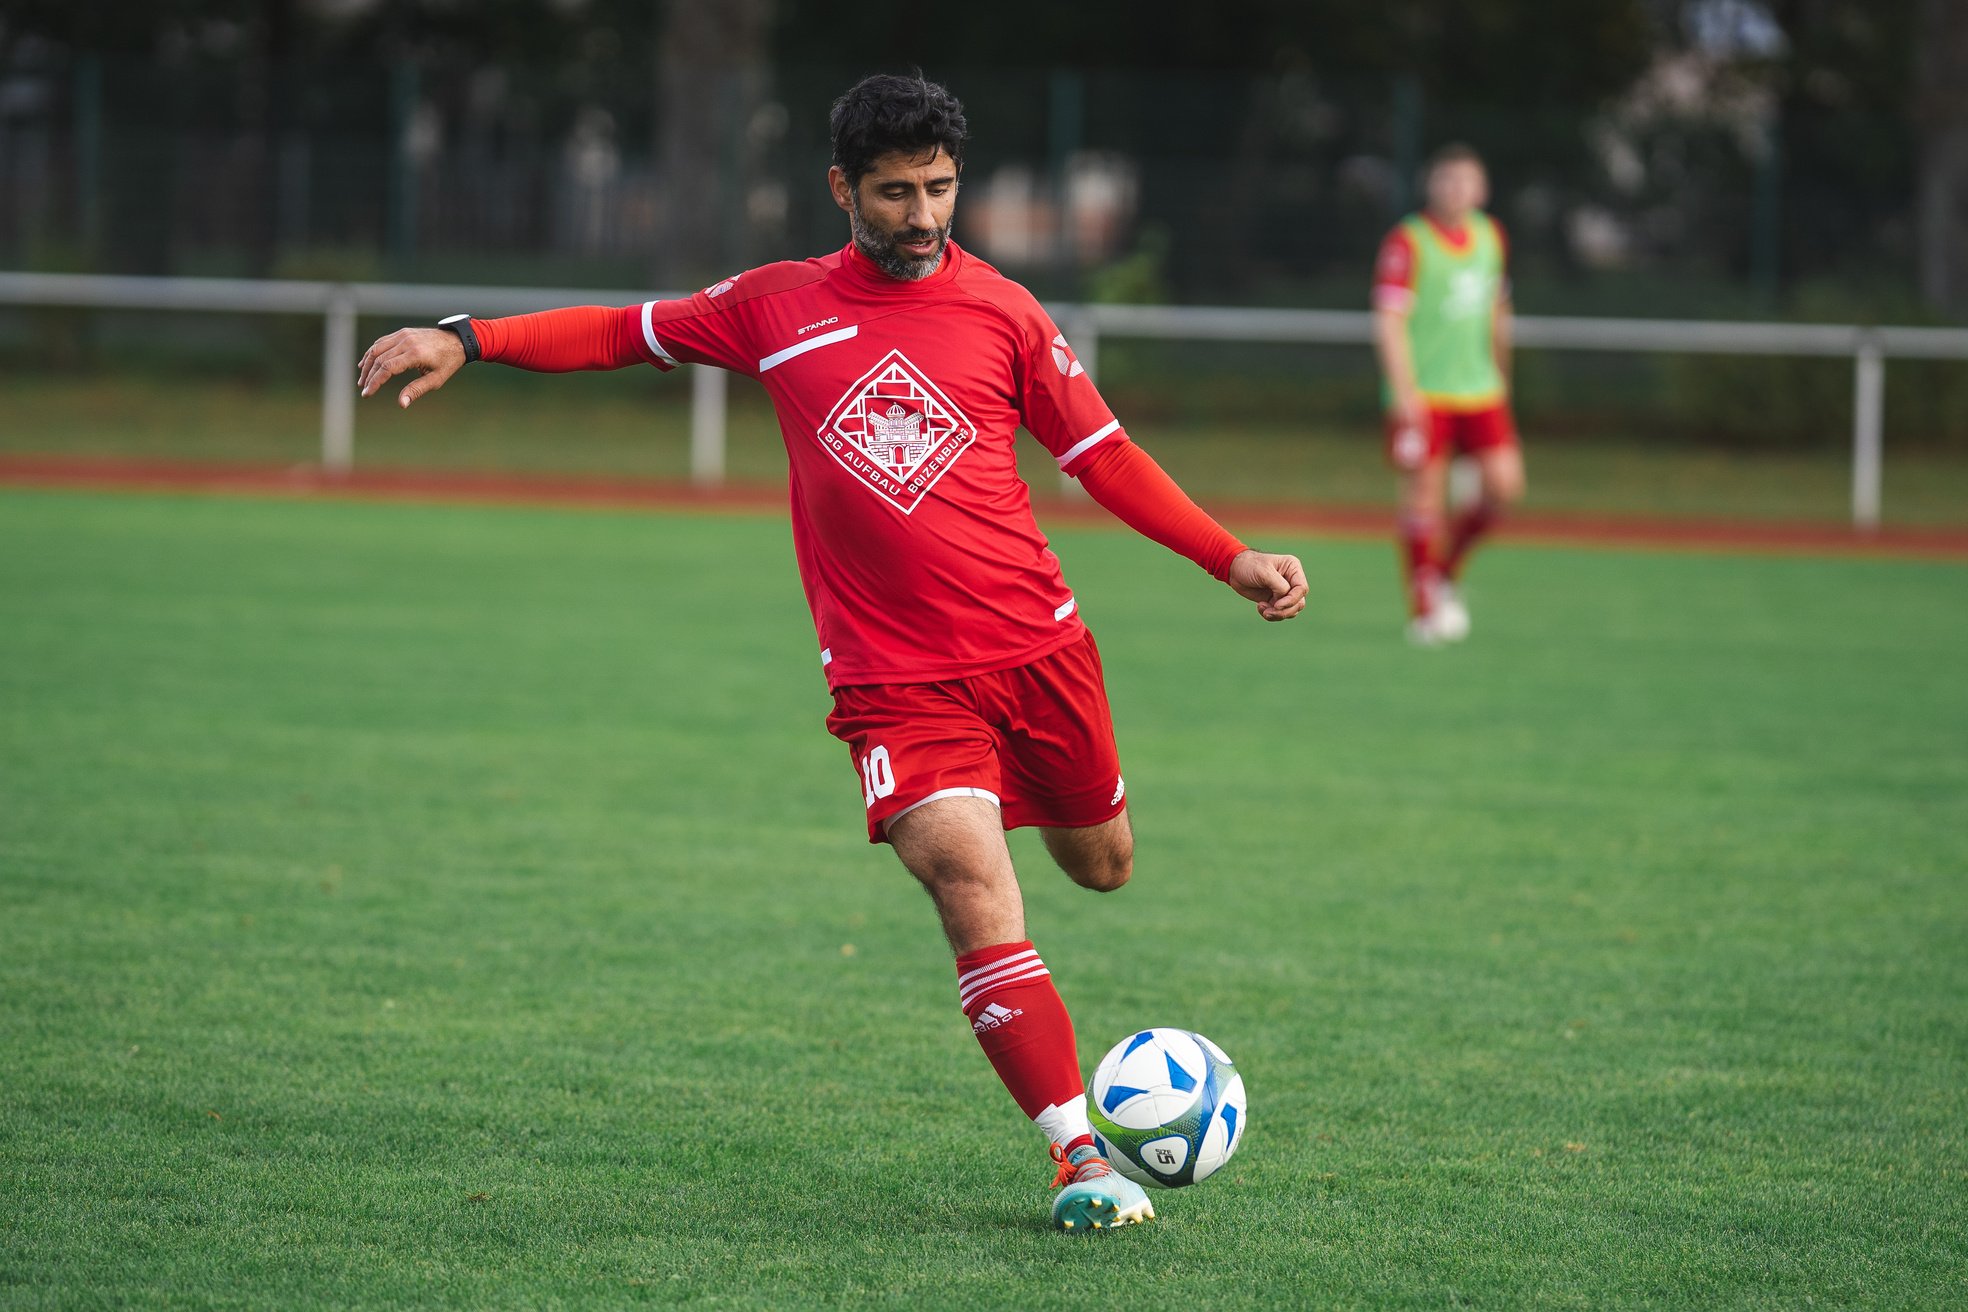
{"type": "Point", "coordinates": [1167, 1106]}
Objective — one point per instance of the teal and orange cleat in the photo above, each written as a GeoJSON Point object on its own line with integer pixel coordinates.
{"type": "Point", "coordinates": [1093, 1195]}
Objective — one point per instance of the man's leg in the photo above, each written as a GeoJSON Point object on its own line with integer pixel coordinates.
{"type": "Point", "coordinates": [1502, 469]}
{"type": "Point", "coordinates": [1421, 496]}
{"type": "Point", "coordinates": [956, 847]}
{"type": "Point", "coordinates": [1099, 857]}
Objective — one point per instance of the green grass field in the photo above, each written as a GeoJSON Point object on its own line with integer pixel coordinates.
{"type": "Point", "coordinates": [413, 907]}
{"type": "Point", "coordinates": [636, 423]}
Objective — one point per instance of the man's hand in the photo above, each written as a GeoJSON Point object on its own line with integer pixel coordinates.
{"type": "Point", "coordinates": [1407, 422]}
{"type": "Point", "coordinates": [1275, 583]}
{"type": "Point", "coordinates": [436, 353]}
{"type": "Point", "coordinates": [1408, 408]}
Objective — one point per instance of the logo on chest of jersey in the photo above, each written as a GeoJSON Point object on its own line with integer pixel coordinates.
{"type": "Point", "coordinates": [896, 431]}
{"type": "Point", "coordinates": [1471, 292]}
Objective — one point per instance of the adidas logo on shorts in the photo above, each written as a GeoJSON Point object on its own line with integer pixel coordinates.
{"type": "Point", "coordinates": [995, 1015]}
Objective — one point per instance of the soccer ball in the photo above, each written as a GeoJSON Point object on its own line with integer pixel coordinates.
{"type": "Point", "coordinates": [1167, 1107]}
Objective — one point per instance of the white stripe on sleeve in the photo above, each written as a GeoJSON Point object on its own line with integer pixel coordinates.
{"type": "Point", "coordinates": [1113, 426]}
{"type": "Point", "coordinates": [649, 333]}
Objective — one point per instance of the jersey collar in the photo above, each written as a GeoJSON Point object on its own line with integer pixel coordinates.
{"type": "Point", "coordinates": [1456, 239]}
{"type": "Point", "coordinates": [866, 273]}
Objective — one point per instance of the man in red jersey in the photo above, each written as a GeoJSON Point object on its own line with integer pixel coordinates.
{"type": "Point", "coordinates": [967, 690]}
{"type": "Point", "coordinates": [1442, 330]}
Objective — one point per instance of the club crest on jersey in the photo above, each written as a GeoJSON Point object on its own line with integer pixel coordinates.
{"type": "Point", "coordinates": [896, 431]}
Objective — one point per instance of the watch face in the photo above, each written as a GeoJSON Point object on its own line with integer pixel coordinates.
{"type": "Point", "coordinates": [455, 318]}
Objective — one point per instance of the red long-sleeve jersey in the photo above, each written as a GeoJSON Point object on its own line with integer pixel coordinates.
{"type": "Point", "coordinates": [899, 403]}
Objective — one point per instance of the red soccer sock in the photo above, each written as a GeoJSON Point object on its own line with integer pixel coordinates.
{"type": "Point", "coordinates": [1007, 995]}
{"type": "Point", "coordinates": [1418, 560]}
{"type": "Point", "coordinates": [1469, 526]}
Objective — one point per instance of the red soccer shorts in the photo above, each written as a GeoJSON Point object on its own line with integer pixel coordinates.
{"type": "Point", "coordinates": [1450, 433]}
{"type": "Point", "coordinates": [1038, 740]}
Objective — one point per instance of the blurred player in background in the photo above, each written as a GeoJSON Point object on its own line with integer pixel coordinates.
{"type": "Point", "coordinates": [966, 688]}
{"type": "Point", "coordinates": [1442, 332]}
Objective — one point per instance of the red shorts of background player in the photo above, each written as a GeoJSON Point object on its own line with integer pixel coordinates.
{"type": "Point", "coordinates": [1450, 433]}
{"type": "Point", "coordinates": [1037, 739]}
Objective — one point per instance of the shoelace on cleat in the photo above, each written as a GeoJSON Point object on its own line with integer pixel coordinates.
{"type": "Point", "coordinates": [1093, 1168]}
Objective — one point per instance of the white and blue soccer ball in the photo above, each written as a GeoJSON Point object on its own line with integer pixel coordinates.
{"type": "Point", "coordinates": [1167, 1107]}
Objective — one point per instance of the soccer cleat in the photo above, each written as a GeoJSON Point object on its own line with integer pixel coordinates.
{"type": "Point", "coordinates": [1450, 615]}
{"type": "Point", "coordinates": [1425, 631]}
{"type": "Point", "coordinates": [1093, 1195]}
{"type": "Point", "coordinates": [1444, 619]}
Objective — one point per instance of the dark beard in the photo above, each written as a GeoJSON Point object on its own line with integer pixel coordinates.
{"type": "Point", "coordinates": [886, 252]}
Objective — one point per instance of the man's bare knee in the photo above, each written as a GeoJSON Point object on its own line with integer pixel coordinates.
{"type": "Point", "coordinates": [1503, 477]}
{"type": "Point", "coordinates": [947, 877]}
{"type": "Point", "coordinates": [1424, 491]}
{"type": "Point", "coordinates": [1106, 873]}
{"type": "Point", "coordinates": [1422, 507]}
{"type": "Point", "coordinates": [1101, 858]}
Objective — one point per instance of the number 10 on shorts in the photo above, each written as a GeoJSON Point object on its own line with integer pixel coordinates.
{"type": "Point", "coordinates": [877, 775]}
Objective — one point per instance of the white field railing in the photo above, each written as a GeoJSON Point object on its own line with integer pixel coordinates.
{"type": "Point", "coordinates": [1086, 324]}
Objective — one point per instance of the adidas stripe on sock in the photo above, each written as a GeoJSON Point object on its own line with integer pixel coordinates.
{"type": "Point", "coordinates": [1007, 994]}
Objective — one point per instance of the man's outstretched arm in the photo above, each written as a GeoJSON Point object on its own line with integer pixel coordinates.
{"type": "Point", "coordinates": [554, 341]}
{"type": "Point", "coordinates": [1138, 492]}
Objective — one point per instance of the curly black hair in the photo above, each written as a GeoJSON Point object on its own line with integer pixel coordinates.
{"type": "Point", "coordinates": [886, 113]}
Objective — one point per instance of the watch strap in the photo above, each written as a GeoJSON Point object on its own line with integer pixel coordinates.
{"type": "Point", "coordinates": [460, 324]}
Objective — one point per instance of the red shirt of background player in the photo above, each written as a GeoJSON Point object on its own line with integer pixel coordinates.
{"type": "Point", "coordinates": [899, 402]}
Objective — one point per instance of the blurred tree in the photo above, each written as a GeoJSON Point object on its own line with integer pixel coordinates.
{"type": "Point", "coordinates": [712, 74]}
{"type": "Point", "coordinates": [233, 69]}
{"type": "Point", "coordinates": [1845, 86]}
{"type": "Point", "coordinates": [1494, 52]}
{"type": "Point", "coordinates": [1941, 117]}
{"type": "Point", "coordinates": [1872, 109]}
{"type": "Point", "coordinates": [1558, 59]}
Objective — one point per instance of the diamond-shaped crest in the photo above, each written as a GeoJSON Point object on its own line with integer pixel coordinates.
{"type": "Point", "coordinates": [896, 431]}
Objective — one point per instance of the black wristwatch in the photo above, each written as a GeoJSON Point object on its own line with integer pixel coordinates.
{"type": "Point", "coordinates": [461, 325]}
